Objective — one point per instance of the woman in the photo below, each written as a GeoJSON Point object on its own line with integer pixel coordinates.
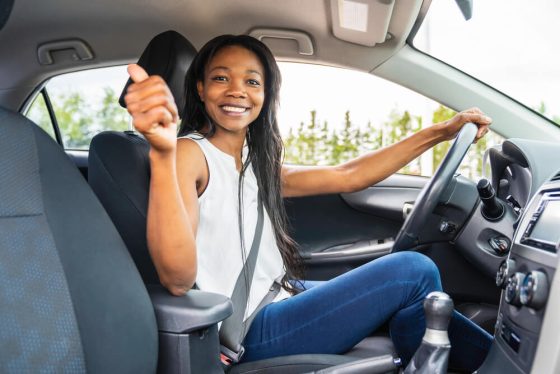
{"type": "Point", "coordinates": [203, 211]}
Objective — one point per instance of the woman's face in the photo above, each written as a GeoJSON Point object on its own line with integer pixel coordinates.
{"type": "Point", "coordinates": [233, 88]}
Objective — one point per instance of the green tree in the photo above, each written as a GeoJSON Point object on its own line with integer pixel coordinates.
{"type": "Point", "coordinates": [74, 119]}
{"type": "Point", "coordinates": [111, 115]}
{"type": "Point", "coordinates": [399, 126]}
{"type": "Point", "coordinates": [78, 118]}
{"type": "Point", "coordinates": [542, 109]}
{"type": "Point", "coordinates": [441, 114]}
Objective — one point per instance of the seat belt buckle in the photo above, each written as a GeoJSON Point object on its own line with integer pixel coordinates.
{"type": "Point", "coordinates": [229, 357]}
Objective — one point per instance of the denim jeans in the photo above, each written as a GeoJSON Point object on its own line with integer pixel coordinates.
{"type": "Point", "coordinates": [331, 317]}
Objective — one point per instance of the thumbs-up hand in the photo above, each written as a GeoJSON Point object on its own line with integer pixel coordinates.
{"type": "Point", "coordinates": [152, 107]}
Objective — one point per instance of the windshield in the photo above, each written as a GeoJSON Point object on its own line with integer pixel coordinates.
{"type": "Point", "coordinates": [512, 45]}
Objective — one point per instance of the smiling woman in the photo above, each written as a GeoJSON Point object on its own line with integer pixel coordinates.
{"type": "Point", "coordinates": [227, 168]}
{"type": "Point", "coordinates": [233, 95]}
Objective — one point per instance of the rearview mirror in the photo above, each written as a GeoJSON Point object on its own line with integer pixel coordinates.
{"type": "Point", "coordinates": [466, 7]}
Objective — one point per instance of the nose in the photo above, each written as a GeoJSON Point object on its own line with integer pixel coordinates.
{"type": "Point", "coordinates": [237, 89]}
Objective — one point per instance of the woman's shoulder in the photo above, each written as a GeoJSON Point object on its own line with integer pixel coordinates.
{"type": "Point", "coordinates": [191, 158]}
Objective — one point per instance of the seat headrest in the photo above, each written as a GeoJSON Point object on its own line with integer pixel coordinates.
{"type": "Point", "coordinates": [168, 55]}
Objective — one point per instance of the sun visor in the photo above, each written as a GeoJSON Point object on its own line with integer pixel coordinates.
{"type": "Point", "coordinates": [5, 10]}
{"type": "Point", "coordinates": [364, 22]}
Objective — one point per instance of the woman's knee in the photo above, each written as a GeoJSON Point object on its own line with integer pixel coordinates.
{"type": "Point", "coordinates": [419, 268]}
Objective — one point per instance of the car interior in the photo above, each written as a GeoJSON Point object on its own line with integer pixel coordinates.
{"type": "Point", "coordinates": [79, 290]}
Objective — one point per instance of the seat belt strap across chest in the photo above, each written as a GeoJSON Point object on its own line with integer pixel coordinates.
{"type": "Point", "coordinates": [233, 329]}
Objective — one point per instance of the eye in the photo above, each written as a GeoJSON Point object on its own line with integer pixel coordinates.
{"type": "Point", "coordinates": [219, 78]}
{"type": "Point", "coordinates": [254, 82]}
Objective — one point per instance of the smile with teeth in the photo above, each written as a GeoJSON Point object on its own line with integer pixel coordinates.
{"type": "Point", "coordinates": [234, 109]}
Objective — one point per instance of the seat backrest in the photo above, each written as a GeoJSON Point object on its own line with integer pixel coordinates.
{"type": "Point", "coordinates": [119, 170]}
{"type": "Point", "coordinates": [71, 299]}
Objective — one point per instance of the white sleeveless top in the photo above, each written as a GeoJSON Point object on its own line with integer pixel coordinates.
{"type": "Point", "coordinates": [219, 256]}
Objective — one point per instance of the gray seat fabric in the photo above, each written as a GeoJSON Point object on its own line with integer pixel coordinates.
{"type": "Point", "coordinates": [71, 299]}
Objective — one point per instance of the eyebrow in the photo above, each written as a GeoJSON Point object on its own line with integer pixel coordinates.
{"type": "Point", "coordinates": [228, 69]}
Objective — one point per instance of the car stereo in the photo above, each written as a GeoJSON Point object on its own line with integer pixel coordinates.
{"type": "Point", "coordinates": [542, 230]}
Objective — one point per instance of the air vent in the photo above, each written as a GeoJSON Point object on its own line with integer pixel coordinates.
{"type": "Point", "coordinates": [556, 177]}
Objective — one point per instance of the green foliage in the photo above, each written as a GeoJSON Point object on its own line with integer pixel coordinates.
{"type": "Point", "coordinates": [441, 114]}
{"type": "Point", "coordinates": [311, 144]}
{"type": "Point", "coordinates": [542, 109]}
{"type": "Point", "coordinates": [79, 119]}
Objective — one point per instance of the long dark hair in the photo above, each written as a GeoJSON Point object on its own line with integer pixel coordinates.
{"type": "Point", "coordinates": [263, 141]}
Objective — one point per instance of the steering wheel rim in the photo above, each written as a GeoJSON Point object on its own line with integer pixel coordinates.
{"type": "Point", "coordinates": [428, 198]}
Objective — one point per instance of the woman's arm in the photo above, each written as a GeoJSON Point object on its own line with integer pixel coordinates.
{"type": "Point", "coordinates": [375, 166]}
{"type": "Point", "coordinates": [172, 205]}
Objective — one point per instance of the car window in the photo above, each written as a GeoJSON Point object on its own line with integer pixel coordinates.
{"type": "Point", "coordinates": [84, 103]}
{"type": "Point", "coordinates": [39, 114]}
{"type": "Point", "coordinates": [330, 115]}
{"type": "Point", "coordinates": [327, 115]}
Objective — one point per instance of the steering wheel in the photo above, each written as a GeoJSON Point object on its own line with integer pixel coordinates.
{"type": "Point", "coordinates": [428, 198]}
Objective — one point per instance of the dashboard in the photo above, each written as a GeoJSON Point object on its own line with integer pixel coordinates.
{"type": "Point", "coordinates": [526, 276]}
{"type": "Point", "coordinates": [526, 180]}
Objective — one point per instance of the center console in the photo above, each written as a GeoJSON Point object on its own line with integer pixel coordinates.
{"type": "Point", "coordinates": [526, 277]}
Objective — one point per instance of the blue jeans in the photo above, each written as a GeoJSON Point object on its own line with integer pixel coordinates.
{"type": "Point", "coordinates": [333, 316]}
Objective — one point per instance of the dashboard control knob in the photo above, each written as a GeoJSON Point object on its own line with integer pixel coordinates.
{"type": "Point", "coordinates": [504, 272]}
{"type": "Point", "coordinates": [534, 290]}
{"type": "Point", "coordinates": [513, 289]}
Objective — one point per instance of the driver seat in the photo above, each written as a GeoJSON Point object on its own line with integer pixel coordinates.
{"type": "Point", "coordinates": [119, 174]}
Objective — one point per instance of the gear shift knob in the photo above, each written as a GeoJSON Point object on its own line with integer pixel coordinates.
{"type": "Point", "coordinates": [433, 354]}
{"type": "Point", "coordinates": [438, 308]}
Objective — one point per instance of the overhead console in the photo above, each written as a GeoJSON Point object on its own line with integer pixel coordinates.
{"type": "Point", "coordinates": [526, 277]}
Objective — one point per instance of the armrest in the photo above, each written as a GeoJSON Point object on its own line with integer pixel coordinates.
{"type": "Point", "coordinates": [184, 314]}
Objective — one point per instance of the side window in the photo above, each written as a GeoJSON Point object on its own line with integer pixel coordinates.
{"type": "Point", "coordinates": [84, 104]}
{"type": "Point", "coordinates": [39, 114]}
{"type": "Point", "coordinates": [331, 115]}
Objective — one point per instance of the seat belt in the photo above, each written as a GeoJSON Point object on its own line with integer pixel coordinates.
{"type": "Point", "coordinates": [234, 329]}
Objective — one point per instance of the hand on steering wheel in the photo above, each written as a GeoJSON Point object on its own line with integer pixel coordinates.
{"type": "Point", "coordinates": [428, 198]}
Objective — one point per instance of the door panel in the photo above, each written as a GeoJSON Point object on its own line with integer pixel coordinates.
{"type": "Point", "coordinates": [339, 232]}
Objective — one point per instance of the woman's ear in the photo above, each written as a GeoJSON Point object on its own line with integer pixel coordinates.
{"type": "Point", "coordinates": [200, 90]}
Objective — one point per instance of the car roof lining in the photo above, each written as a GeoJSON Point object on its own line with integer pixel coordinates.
{"type": "Point", "coordinates": [118, 31]}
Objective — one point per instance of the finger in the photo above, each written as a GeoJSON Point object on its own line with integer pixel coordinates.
{"type": "Point", "coordinates": [137, 73]}
{"type": "Point", "coordinates": [473, 110]}
{"type": "Point", "coordinates": [477, 118]}
{"type": "Point", "coordinates": [483, 130]}
{"type": "Point", "coordinates": [154, 85]}
{"type": "Point", "coordinates": [146, 122]}
{"type": "Point", "coordinates": [153, 101]}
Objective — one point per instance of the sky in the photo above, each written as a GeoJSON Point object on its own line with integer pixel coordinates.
{"type": "Point", "coordinates": [511, 44]}
{"type": "Point", "coordinates": [508, 43]}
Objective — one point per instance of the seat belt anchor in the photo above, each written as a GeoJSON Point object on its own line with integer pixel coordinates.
{"type": "Point", "coordinates": [229, 357]}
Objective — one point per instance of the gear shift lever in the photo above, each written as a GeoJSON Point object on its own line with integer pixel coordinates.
{"type": "Point", "coordinates": [433, 354]}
